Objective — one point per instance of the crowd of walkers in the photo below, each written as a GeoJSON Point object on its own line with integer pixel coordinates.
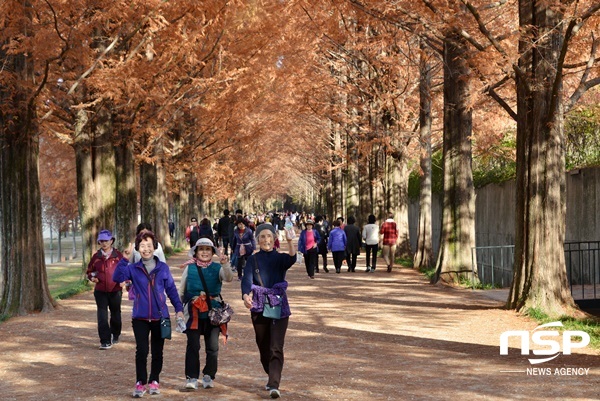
{"type": "Point", "coordinates": [246, 245]}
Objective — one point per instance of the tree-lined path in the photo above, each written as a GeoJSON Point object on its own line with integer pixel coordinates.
{"type": "Point", "coordinates": [352, 336]}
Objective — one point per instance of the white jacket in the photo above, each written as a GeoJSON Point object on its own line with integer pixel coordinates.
{"type": "Point", "coordinates": [370, 234]}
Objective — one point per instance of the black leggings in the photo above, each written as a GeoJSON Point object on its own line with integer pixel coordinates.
{"type": "Point", "coordinates": [141, 330]}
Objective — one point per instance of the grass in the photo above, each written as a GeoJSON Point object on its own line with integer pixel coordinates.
{"type": "Point", "coordinates": [590, 326]}
{"type": "Point", "coordinates": [66, 281]}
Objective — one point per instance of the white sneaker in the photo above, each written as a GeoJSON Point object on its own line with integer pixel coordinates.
{"type": "Point", "coordinates": [191, 384]}
{"type": "Point", "coordinates": [207, 382]}
{"type": "Point", "coordinates": [274, 393]}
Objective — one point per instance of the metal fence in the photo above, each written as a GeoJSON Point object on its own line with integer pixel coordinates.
{"type": "Point", "coordinates": [494, 265]}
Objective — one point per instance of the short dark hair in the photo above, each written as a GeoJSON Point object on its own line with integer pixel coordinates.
{"type": "Point", "coordinates": [144, 236]}
{"type": "Point", "coordinates": [239, 211]}
{"type": "Point", "coordinates": [351, 220]}
{"type": "Point", "coordinates": [143, 226]}
{"type": "Point", "coordinates": [371, 219]}
{"type": "Point", "coordinates": [226, 212]}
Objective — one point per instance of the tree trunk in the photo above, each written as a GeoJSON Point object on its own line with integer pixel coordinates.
{"type": "Point", "coordinates": [540, 278]}
{"type": "Point", "coordinates": [458, 215]}
{"type": "Point", "coordinates": [24, 280]}
{"type": "Point", "coordinates": [162, 205]}
{"type": "Point", "coordinates": [424, 255]}
{"type": "Point", "coordinates": [96, 177]}
{"type": "Point", "coordinates": [398, 200]}
{"type": "Point", "coordinates": [126, 200]}
{"type": "Point", "coordinates": [148, 182]}
{"type": "Point", "coordinates": [352, 177]}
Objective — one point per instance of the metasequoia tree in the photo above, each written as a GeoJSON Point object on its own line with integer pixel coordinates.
{"type": "Point", "coordinates": [553, 64]}
{"type": "Point", "coordinates": [373, 114]}
{"type": "Point", "coordinates": [547, 45]}
{"type": "Point", "coordinates": [24, 286]}
{"type": "Point", "coordinates": [423, 258]}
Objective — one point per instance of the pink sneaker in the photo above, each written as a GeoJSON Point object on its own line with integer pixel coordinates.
{"type": "Point", "coordinates": [139, 391]}
{"type": "Point", "coordinates": [154, 388]}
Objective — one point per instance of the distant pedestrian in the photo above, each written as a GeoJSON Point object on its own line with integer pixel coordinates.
{"type": "Point", "coordinates": [353, 243]}
{"type": "Point", "coordinates": [308, 246]}
{"type": "Point", "coordinates": [322, 245]}
{"type": "Point", "coordinates": [337, 245]}
{"type": "Point", "coordinates": [389, 230]}
{"type": "Point", "coordinates": [192, 232]}
{"type": "Point", "coordinates": [171, 229]}
{"type": "Point", "coordinates": [205, 230]}
{"type": "Point", "coordinates": [370, 235]}
{"type": "Point", "coordinates": [107, 292]}
{"type": "Point", "coordinates": [243, 245]}
{"type": "Point", "coordinates": [223, 230]}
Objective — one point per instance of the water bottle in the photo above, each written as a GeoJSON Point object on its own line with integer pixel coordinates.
{"type": "Point", "coordinates": [180, 325]}
{"type": "Point", "coordinates": [289, 228]}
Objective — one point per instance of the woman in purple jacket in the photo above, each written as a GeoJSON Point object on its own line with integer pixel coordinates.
{"type": "Point", "coordinates": [337, 245]}
{"type": "Point", "coordinates": [153, 283]}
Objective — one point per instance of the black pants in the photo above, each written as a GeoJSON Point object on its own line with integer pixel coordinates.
{"type": "Point", "coordinates": [338, 258]}
{"type": "Point", "coordinates": [141, 330]}
{"type": "Point", "coordinates": [241, 263]}
{"type": "Point", "coordinates": [311, 260]}
{"type": "Point", "coordinates": [351, 261]}
{"type": "Point", "coordinates": [106, 301]}
{"type": "Point", "coordinates": [270, 338]}
{"type": "Point", "coordinates": [324, 255]}
{"type": "Point", "coordinates": [192, 350]}
{"type": "Point", "coordinates": [372, 249]}
{"type": "Point", "coordinates": [225, 241]}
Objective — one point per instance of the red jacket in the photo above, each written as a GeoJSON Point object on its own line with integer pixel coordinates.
{"type": "Point", "coordinates": [389, 230]}
{"type": "Point", "coordinates": [104, 269]}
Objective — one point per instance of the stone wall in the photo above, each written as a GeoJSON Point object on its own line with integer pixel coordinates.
{"type": "Point", "coordinates": [495, 211]}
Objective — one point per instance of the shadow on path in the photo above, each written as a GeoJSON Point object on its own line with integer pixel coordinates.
{"type": "Point", "coordinates": [352, 336]}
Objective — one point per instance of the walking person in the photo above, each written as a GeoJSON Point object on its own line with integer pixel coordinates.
{"type": "Point", "coordinates": [201, 271]}
{"type": "Point", "coordinates": [337, 245]}
{"type": "Point", "coordinates": [308, 246]}
{"type": "Point", "coordinates": [264, 282]}
{"type": "Point", "coordinates": [354, 241]}
{"type": "Point", "coordinates": [152, 283]}
{"type": "Point", "coordinates": [322, 245]}
{"type": "Point", "coordinates": [243, 245]}
{"type": "Point", "coordinates": [370, 234]}
{"type": "Point", "coordinates": [192, 232]}
{"type": "Point", "coordinates": [389, 230]}
{"type": "Point", "coordinates": [223, 230]}
{"type": "Point", "coordinates": [107, 292]}
{"type": "Point", "coordinates": [205, 230]}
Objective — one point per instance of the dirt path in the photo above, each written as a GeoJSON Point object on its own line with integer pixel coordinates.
{"type": "Point", "coordinates": [352, 336]}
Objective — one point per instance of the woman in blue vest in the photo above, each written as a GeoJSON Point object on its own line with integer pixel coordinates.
{"type": "Point", "coordinates": [202, 272]}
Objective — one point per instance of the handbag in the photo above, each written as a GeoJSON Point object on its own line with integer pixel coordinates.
{"type": "Point", "coordinates": [269, 311]}
{"type": "Point", "coordinates": [220, 315]}
{"type": "Point", "coordinates": [165, 328]}
{"type": "Point", "coordinates": [165, 322]}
